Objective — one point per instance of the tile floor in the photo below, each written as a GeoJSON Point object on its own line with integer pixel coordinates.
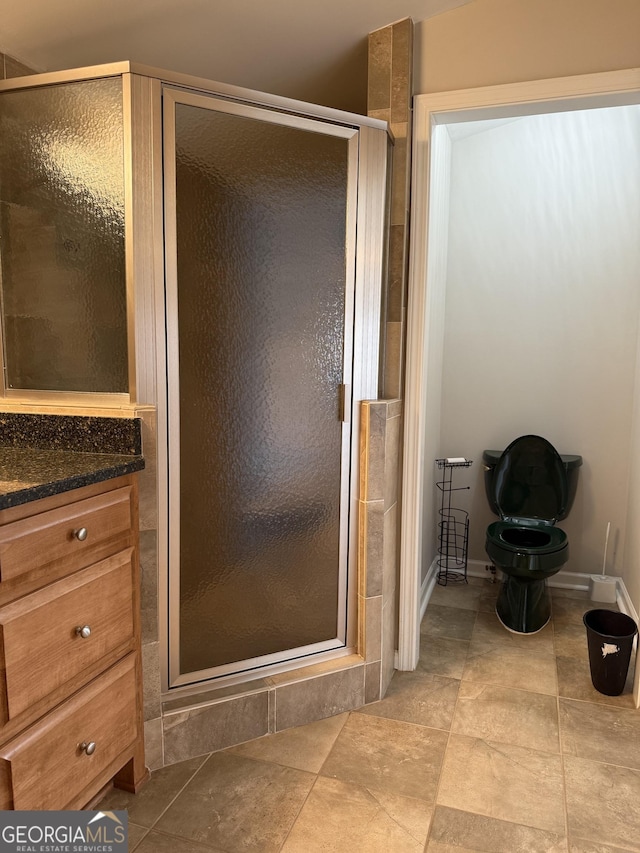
{"type": "Point", "coordinates": [496, 743]}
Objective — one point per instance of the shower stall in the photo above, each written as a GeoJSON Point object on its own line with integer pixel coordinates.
{"type": "Point", "coordinates": [213, 256]}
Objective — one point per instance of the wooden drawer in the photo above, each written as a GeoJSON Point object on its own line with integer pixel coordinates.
{"type": "Point", "coordinates": [28, 544]}
{"type": "Point", "coordinates": [41, 650]}
{"type": "Point", "coordinates": [46, 768]}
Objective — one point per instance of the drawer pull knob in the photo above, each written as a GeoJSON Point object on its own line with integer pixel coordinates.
{"type": "Point", "coordinates": [83, 631]}
{"type": "Point", "coordinates": [80, 534]}
{"type": "Point", "coordinates": [88, 748]}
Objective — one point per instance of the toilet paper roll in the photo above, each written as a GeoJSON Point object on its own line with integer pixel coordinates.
{"type": "Point", "coordinates": [455, 460]}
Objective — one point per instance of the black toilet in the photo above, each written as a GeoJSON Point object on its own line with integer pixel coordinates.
{"type": "Point", "coordinates": [531, 487]}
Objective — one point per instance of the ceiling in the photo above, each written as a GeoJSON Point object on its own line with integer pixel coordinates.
{"type": "Point", "coordinates": [310, 51]}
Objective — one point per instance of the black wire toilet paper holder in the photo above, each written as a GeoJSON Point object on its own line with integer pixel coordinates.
{"type": "Point", "coordinates": [453, 525]}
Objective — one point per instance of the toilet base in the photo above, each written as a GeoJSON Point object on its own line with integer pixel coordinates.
{"type": "Point", "coordinates": [523, 606]}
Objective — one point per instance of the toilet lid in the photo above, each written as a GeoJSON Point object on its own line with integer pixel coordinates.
{"type": "Point", "coordinates": [530, 481]}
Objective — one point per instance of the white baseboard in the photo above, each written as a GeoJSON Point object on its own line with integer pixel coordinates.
{"type": "Point", "coordinates": [427, 587]}
{"type": "Point", "coordinates": [562, 580]}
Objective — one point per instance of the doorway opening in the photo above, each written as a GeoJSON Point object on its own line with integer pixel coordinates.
{"type": "Point", "coordinates": [438, 119]}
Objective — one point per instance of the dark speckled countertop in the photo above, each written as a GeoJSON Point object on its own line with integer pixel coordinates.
{"type": "Point", "coordinates": [43, 455]}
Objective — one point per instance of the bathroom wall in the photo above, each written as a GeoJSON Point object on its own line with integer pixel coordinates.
{"type": "Point", "coordinates": [488, 42]}
{"type": "Point", "coordinates": [542, 308]}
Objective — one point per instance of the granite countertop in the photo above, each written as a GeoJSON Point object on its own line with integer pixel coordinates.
{"type": "Point", "coordinates": [28, 474]}
{"type": "Point", "coordinates": [47, 455]}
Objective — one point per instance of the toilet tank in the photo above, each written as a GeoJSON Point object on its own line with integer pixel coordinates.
{"type": "Point", "coordinates": [572, 465]}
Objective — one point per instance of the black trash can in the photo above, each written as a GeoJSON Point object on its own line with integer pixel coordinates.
{"type": "Point", "coordinates": [610, 640]}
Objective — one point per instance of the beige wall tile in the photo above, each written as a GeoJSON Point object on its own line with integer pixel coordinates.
{"type": "Point", "coordinates": [372, 673]}
{"type": "Point", "coordinates": [379, 82]}
{"type": "Point", "coordinates": [148, 478]}
{"type": "Point", "coordinates": [395, 408]}
{"type": "Point", "coordinates": [373, 543]}
{"type": "Point", "coordinates": [397, 273]}
{"type": "Point", "coordinates": [372, 449]}
{"type": "Point", "coordinates": [399, 183]}
{"type": "Point", "coordinates": [383, 115]}
{"type": "Point", "coordinates": [390, 558]}
{"type": "Point", "coordinates": [151, 680]}
{"type": "Point", "coordinates": [393, 368]}
{"type": "Point", "coordinates": [153, 747]}
{"type": "Point", "coordinates": [313, 671]}
{"type": "Point", "coordinates": [389, 635]}
{"type": "Point", "coordinates": [201, 730]}
{"type": "Point", "coordinates": [306, 701]}
{"type": "Point", "coordinates": [392, 458]}
{"type": "Point", "coordinates": [149, 585]}
{"type": "Point", "coordinates": [373, 628]}
{"type": "Point", "coordinates": [401, 69]}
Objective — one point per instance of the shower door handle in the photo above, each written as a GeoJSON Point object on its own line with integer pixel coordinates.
{"type": "Point", "coordinates": [343, 397]}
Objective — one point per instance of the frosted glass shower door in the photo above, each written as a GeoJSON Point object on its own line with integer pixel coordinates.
{"type": "Point", "coordinates": [260, 230]}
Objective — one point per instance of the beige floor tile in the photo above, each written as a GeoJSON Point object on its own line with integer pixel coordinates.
{"type": "Point", "coordinates": [505, 782]}
{"type": "Point", "coordinates": [135, 835]}
{"type": "Point", "coordinates": [163, 787]}
{"type": "Point", "coordinates": [441, 656]}
{"type": "Point", "coordinates": [570, 610]}
{"type": "Point", "coordinates": [388, 756]}
{"type": "Point", "coordinates": [465, 596]}
{"type": "Point", "coordinates": [507, 715]}
{"type": "Point", "coordinates": [236, 803]}
{"type": "Point", "coordinates": [602, 803]}
{"type": "Point", "coordinates": [454, 831]}
{"type": "Point", "coordinates": [418, 697]}
{"type": "Point", "coordinates": [488, 597]}
{"type": "Point", "coordinates": [488, 628]}
{"type": "Point", "coordinates": [600, 733]}
{"type": "Point", "coordinates": [303, 747]}
{"type": "Point", "coordinates": [338, 817]}
{"type": "Point", "coordinates": [158, 842]}
{"type": "Point", "coordinates": [561, 592]}
{"type": "Point", "coordinates": [574, 682]}
{"type": "Point", "coordinates": [452, 622]}
{"type": "Point", "coordinates": [580, 846]}
{"type": "Point", "coordinates": [510, 667]}
{"type": "Point", "coordinates": [570, 639]}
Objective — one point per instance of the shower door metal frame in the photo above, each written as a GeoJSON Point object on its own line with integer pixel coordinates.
{"type": "Point", "coordinates": [344, 642]}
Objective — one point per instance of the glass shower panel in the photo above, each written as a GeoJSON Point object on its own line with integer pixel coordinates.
{"type": "Point", "coordinates": [261, 213]}
{"type": "Point", "coordinates": [62, 252]}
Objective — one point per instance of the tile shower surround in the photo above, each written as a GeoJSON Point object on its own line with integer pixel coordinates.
{"type": "Point", "coordinates": [456, 757]}
{"type": "Point", "coordinates": [183, 728]}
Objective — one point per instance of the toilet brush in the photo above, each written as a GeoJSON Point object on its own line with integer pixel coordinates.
{"type": "Point", "coordinates": [603, 588]}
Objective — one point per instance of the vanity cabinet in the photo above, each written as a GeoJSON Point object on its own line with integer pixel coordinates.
{"type": "Point", "coordinates": [71, 714]}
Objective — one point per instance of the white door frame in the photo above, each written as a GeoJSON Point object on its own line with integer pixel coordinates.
{"type": "Point", "coordinates": [427, 278]}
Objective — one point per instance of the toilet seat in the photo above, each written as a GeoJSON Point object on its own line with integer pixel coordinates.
{"type": "Point", "coordinates": [498, 533]}
{"type": "Point", "coordinates": [531, 482]}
